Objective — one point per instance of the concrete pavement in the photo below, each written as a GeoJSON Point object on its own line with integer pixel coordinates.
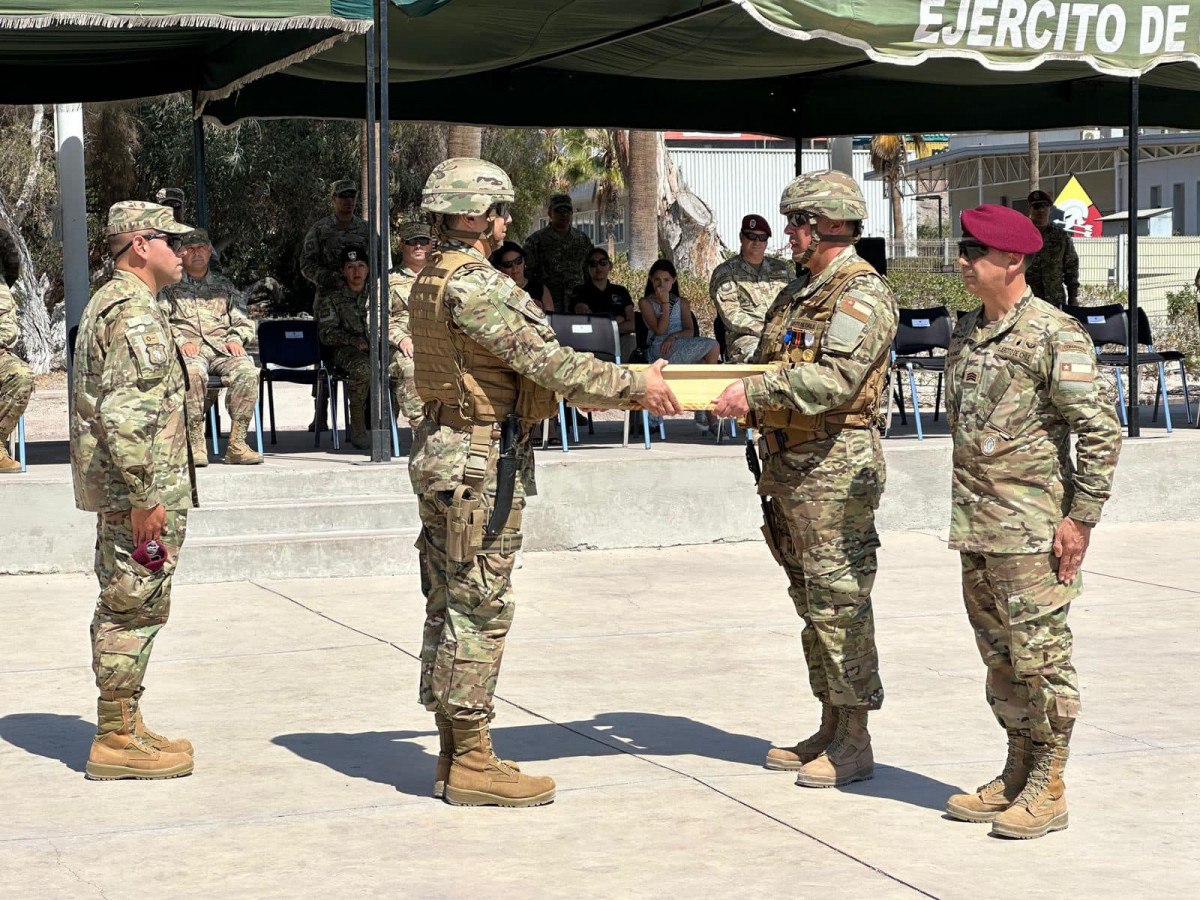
{"type": "Point", "coordinates": [649, 683]}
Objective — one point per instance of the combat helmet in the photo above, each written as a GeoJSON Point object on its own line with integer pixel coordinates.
{"type": "Point", "coordinates": [466, 187]}
{"type": "Point", "coordinates": [832, 194]}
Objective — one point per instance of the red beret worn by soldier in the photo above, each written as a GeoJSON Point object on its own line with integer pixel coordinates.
{"type": "Point", "coordinates": [1001, 228]}
{"type": "Point", "coordinates": [756, 223]}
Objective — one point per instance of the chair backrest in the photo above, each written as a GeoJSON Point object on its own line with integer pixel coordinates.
{"type": "Point", "coordinates": [1104, 324]}
{"type": "Point", "coordinates": [719, 333]}
{"type": "Point", "coordinates": [1145, 335]}
{"type": "Point", "coordinates": [923, 330]}
{"type": "Point", "coordinates": [288, 343]}
{"type": "Point", "coordinates": [597, 335]}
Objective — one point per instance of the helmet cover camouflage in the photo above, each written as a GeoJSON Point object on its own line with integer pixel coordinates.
{"type": "Point", "coordinates": [832, 194]}
{"type": "Point", "coordinates": [466, 187]}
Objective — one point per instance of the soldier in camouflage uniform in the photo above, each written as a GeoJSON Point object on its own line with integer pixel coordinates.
{"type": "Point", "coordinates": [211, 329]}
{"type": "Point", "coordinates": [16, 382]}
{"type": "Point", "coordinates": [10, 259]}
{"type": "Point", "coordinates": [321, 258]}
{"type": "Point", "coordinates": [744, 286]}
{"type": "Point", "coordinates": [487, 366]}
{"type": "Point", "coordinates": [1021, 376]}
{"type": "Point", "coordinates": [415, 243]}
{"type": "Point", "coordinates": [129, 461]}
{"type": "Point", "coordinates": [555, 254]}
{"type": "Point", "coordinates": [828, 337]}
{"type": "Point", "coordinates": [1057, 263]}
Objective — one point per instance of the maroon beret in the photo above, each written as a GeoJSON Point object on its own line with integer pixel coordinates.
{"type": "Point", "coordinates": [1001, 228]}
{"type": "Point", "coordinates": [756, 223]}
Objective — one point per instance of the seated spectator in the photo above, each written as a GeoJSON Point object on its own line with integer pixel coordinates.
{"type": "Point", "coordinates": [510, 259]}
{"type": "Point", "coordinates": [598, 296]}
{"type": "Point", "coordinates": [673, 327]}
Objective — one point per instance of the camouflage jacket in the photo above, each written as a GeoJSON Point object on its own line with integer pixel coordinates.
{"type": "Point", "coordinates": [557, 261]}
{"type": "Point", "coordinates": [1015, 390]}
{"type": "Point", "coordinates": [10, 328]}
{"type": "Point", "coordinates": [1054, 265]}
{"type": "Point", "coordinates": [850, 462]}
{"type": "Point", "coordinates": [342, 317]}
{"type": "Point", "coordinates": [400, 285]}
{"type": "Point", "coordinates": [743, 293]}
{"type": "Point", "coordinates": [485, 307]}
{"type": "Point", "coordinates": [10, 259]}
{"type": "Point", "coordinates": [320, 259]}
{"type": "Point", "coordinates": [128, 433]}
{"type": "Point", "coordinates": [209, 311]}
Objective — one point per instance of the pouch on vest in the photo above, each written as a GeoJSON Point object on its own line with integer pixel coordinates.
{"type": "Point", "coordinates": [466, 518]}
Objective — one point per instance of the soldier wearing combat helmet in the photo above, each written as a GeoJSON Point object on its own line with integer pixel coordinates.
{"type": "Point", "coordinates": [816, 410]}
{"type": "Point", "coordinates": [487, 367]}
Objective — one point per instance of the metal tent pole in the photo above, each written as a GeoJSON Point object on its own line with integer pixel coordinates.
{"type": "Point", "coordinates": [1134, 424]}
{"type": "Point", "coordinates": [385, 239]}
{"type": "Point", "coordinates": [201, 170]}
{"type": "Point", "coordinates": [377, 448]}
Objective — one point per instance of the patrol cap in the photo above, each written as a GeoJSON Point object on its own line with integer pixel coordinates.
{"type": "Point", "coordinates": [169, 196]}
{"type": "Point", "coordinates": [353, 253]}
{"type": "Point", "coordinates": [409, 230]}
{"type": "Point", "coordinates": [557, 200]}
{"type": "Point", "coordinates": [197, 236]}
{"type": "Point", "coordinates": [1039, 197]}
{"type": "Point", "coordinates": [139, 215]}
{"type": "Point", "coordinates": [754, 222]}
{"type": "Point", "coordinates": [1001, 228]}
{"type": "Point", "coordinates": [344, 185]}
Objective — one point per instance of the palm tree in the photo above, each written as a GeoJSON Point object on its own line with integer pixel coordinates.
{"type": "Point", "coordinates": [591, 154]}
{"type": "Point", "coordinates": [641, 174]}
{"type": "Point", "coordinates": [889, 155]}
{"type": "Point", "coordinates": [464, 140]}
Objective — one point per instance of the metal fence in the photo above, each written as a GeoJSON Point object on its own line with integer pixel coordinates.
{"type": "Point", "coordinates": [1165, 264]}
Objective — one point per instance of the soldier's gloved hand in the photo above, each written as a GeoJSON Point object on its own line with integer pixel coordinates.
{"type": "Point", "coordinates": [659, 399]}
{"type": "Point", "coordinates": [732, 402]}
{"type": "Point", "coordinates": [1071, 540]}
{"type": "Point", "coordinates": [189, 350]}
{"type": "Point", "coordinates": [233, 348]}
{"type": "Point", "coordinates": [148, 524]}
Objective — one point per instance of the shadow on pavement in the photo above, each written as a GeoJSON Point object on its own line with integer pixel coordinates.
{"type": "Point", "coordinates": [904, 786]}
{"type": "Point", "coordinates": [65, 738]}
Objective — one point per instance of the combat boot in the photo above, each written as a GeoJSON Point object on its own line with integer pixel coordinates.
{"type": "Point", "coordinates": [783, 759]}
{"type": "Point", "coordinates": [1042, 805]}
{"type": "Point", "coordinates": [196, 439]}
{"type": "Point", "coordinates": [118, 752]}
{"type": "Point", "coordinates": [7, 463]}
{"type": "Point", "coordinates": [238, 453]}
{"type": "Point", "coordinates": [445, 729]}
{"type": "Point", "coordinates": [157, 741]}
{"type": "Point", "coordinates": [847, 758]}
{"type": "Point", "coordinates": [478, 778]}
{"type": "Point", "coordinates": [1002, 791]}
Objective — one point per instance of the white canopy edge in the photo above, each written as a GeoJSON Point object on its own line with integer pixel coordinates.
{"type": "Point", "coordinates": [183, 20]}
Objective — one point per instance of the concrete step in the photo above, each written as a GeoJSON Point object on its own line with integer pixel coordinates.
{"type": "Point", "coordinates": [240, 518]}
{"type": "Point", "coordinates": [299, 555]}
{"type": "Point", "coordinates": [218, 483]}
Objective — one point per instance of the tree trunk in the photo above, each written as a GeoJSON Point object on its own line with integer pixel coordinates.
{"type": "Point", "coordinates": [642, 179]}
{"type": "Point", "coordinates": [464, 140]}
{"type": "Point", "coordinates": [687, 228]}
{"type": "Point", "coordinates": [897, 203]}
{"type": "Point", "coordinates": [1035, 161]}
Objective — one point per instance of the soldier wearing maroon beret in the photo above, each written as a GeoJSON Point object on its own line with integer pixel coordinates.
{"type": "Point", "coordinates": [1020, 378]}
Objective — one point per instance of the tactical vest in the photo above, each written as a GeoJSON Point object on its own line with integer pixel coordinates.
{"type": "Point", "coordinates": [462, 384]}
{"type": "Point", "coordinates": [783, 428]}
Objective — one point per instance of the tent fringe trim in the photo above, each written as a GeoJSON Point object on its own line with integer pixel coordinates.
{"type": "Point", "coordinates": [225, 23]}
{"type": "Point", "coordinates": [204, 97]}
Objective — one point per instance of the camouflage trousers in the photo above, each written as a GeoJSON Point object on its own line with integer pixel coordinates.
{"type": "Point", "coordinates": [405, 398]}
{"type": "Point", "coordinates": [237, 373]}
{"type": "Point", "coordinates": [357, 366]}
{"type": "Point", "coordinates": [16, 387]}
{"type": "Point", "coordinates": [468, 611]}
{"type": "Point", "coordinates": [741, 348]}
{"type": "Point", "coordinates": [134, 602]}
{"type": "Point", "coordinates": [827, 548]}
{"type": "Point", "coordinates": [1019, 613]}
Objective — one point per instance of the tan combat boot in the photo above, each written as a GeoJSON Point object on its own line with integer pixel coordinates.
{"type": "Point", "coordinates": [157, 741]}
{"type": "Point", "coordinates": [118, 752]}
{"type": "Point", "coordinates": [445, 729]}
{"type": "Point", "coordinates": [783, 759]}
{"type": "Point", "coordinates": [1002, 791]}
{"type": "Point", "coordinates": [1042, 805]}
{"type": "Point", "coordinates": [847, 758]}
{"type": "Point", "coordinates": [7, 463]}
{"type": "Point", "coordinates": [478, 778]}
{"type": "Point", "coordinates": [196, 439]}
{"type": "Point", "coordinates": [238, 453]}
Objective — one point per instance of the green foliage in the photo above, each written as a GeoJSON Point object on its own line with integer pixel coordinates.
{"type": "Point", "coordinates": [1181, 331]}
{"type": "Point", "coordinates": [918, 290]}
{"type": "Point", "coordinates": [1102, 295]}
{"type": "Point", "coordinates": [16, 157]}
{"type": "Point", "coordinates": [693, 288]}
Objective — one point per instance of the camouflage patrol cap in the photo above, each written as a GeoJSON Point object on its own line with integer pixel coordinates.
{"type": "Point", "coordinates": [197, 236]}
{"type": "Point", "coordinates": [344, 185]}
{"type": "Point", "coordinates": [831, 193]}
{"type": "Point", "coordinates": [167, 196]}
{"type": "Point", "coordinates": [409, 230]}
{"type": "Point", "coordinates": [138, 215]}
{"type": "Point", "coordinates": [466, 187]}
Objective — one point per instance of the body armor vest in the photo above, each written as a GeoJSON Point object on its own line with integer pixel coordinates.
{"type": "Point", "coordinates": [808, 325]}
{"type": "Point", "coordinates": [461, 383]}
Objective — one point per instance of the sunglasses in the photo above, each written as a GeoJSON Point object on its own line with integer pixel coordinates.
{"type": "Point", "coordinates": [417, 242]}
{"type": "Point", "coordinates": [972, 249]}
{"type": "Point", "coordinates": [512, 263]}
{"type": "Point", "coordinates": [597, 263]}
{"type": "Point", "coordinates": [1040, 205]}
{"type": "Point", "coordinates": [562, 208]}
{"type": "Point", "coordinates": [174, 241]}
{"type": "Point", "coordinates": [756, 237]}
{"type": "Point", "coordinates": [796, 219]}
{"type": "Point", "coordinates": [346, 195]}
{"type": "Point", "coordinates": [501, 209]}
